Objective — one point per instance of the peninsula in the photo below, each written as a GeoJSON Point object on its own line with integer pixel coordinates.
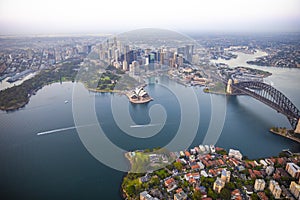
{"type": "Point", "coordinates": [207, 172]}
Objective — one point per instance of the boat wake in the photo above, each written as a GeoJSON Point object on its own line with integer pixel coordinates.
{"type": "Point", "coordinates": [143, 125]}
{"type": "Point", "coordinates": [62, 129]}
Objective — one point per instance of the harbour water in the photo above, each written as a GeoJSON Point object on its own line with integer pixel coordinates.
{"type": "Point", "coordinates": [57, 165]}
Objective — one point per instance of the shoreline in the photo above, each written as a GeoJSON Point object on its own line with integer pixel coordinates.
{"type": "Point", "coordinates": [285, 135]}
{"type": "Point", "coordinates": [128, 157]}
{"type": "Point", "coordinates": [214, 92]}
{"type": "Point", "coordinates": [147, 100]}
{"type": "Point", "coordinates": [16, 107]}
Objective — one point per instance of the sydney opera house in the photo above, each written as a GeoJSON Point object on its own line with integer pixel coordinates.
{"type": "Point", "coordinates": [139, 95]}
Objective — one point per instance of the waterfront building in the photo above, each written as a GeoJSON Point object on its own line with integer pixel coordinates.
{"type": "Point", "coordinates": [293, 170]}
{"type": "Point", "coordinates": [264, 163]}
{"type": "Point", "coordinates": [275, 189]}
{"type": "Point", "coordinates": [295, 189]}
{"type": "Point", "coordinates": [270, 170]}
{"type": "Point", "coordinates": [235, 153]}
{"type": "Point", "coordinates": [138, 93]}
{"type": "Point", "coordinates": [259, 185]}
{"type": "Point", "coordinates": [146, 196]}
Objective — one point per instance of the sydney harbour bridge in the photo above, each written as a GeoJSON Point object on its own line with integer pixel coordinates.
{"type": "Point", "coordinates": [268, 95]}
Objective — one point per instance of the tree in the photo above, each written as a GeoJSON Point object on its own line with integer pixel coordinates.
{"type": "Point", "coordinates": [197, 195]}
{"type": "Point", "coordinates": [154, 180]}
{"type": "Point", "coordinates": [254, 196]}
{"type": "Point", "coordinates": [130, 190]}
{"type": "Point", "coordinates": [230, 186]}
{"type": "Point", "coordinates": [212, 194]}
{"type": "Point", "coordinates": [178, 166]}
{"type": "Point", "coordinates": [225, 194]}
{"type": "Point", "coordinates": [185, 184]}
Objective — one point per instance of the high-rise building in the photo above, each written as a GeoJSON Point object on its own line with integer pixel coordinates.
{"type": "Point", "coordinates": [275, 189]}
{"type": "Point", "coordinates": [115, 42]}
{"type": "Point", "coordinates": [110, 53]}
{"type": "Point", "coordinates": [295, 189]}
{"type": "Point", "coordinates": [125, 65]}
{"type": "Point", "coordinates": [218, 185]}
{"type": "Point", "coordinates": [181, 50]}
{"type": "Point", "coordinates": [135, 68]}
{"type": "Point", "coordinates": [171, 62]}
{"type": "Point", "coordinates": [259, 185]}
{"type": "Point", "coordinates": [89, 49]}
{"type": "Point", "coordinates": [162, 58]}
{"type": "Point", "coordinates": [225, 175]}
{"type": "Point", "coordinates": [179, 60]}
{"type": "Point", "coordinates": [117, 54]}
{"type": "Point", "coordinates": [270, 170]}
{"type": "Point", "coordinates": [293, 170]}
{"type": "Point", "coordinates": [152, 57]}
{"type": "Point", "coordinates": [131, 56]}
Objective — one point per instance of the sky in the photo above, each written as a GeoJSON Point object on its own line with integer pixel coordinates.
{"type": "Point", "coordinates": [97, 16]}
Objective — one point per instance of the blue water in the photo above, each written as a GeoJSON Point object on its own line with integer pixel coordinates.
{"type": "Point", "coordinates": [57, 165]}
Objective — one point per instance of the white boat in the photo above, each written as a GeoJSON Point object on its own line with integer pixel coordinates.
{"type": "Point", "coordinates": [202, 148]}
{"type": "Point", "coordinates": [212, 148]}
{"type": "Point", "coordinates": [66, 101]}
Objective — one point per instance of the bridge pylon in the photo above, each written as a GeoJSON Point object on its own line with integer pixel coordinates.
{"type": "Point", "coordinates": [297, 130]}
{"type": "Point", "coordinates": [229, 89]}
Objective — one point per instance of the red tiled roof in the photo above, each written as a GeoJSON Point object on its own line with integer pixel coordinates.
{"type": "Point", "coordinates": [235, 192]}
{"type": "Point", "coordinates": [192, 180]}
{"type": "Point", "coordinates": [257, 173]}
{"type": "Point", "coordinates": [179, 190]}
{"type": "Point", "coordinates": [262, 196]}
{"type": "Point", "coordinates": [219, 149]}
{"type": "Point", "coordinates": [187, 153]}
{"type": "Point", "coordinates": [252, 175]}
{"type": "Point", "coordinates": [169, 181]}
{"type": "Point", "coordinates": [195, 166]}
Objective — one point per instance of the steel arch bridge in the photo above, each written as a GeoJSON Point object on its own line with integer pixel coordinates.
{"type": "Point", "coordinates": [269, 96]}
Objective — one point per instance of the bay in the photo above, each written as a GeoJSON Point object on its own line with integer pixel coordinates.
{"type": "Point", "coordinates": [58, 166]}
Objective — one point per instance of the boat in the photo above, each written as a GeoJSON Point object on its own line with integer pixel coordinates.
{"type": "Point", "coordinates": [66, 101]}
{"type": "Point", "coordinates": [212, 148]}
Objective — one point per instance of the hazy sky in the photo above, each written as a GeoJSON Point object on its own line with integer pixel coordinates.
{"type": "Point", "coordinates": [90, 16]}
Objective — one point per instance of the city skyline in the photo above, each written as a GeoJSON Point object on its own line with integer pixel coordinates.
{"type": "Point", "coordinates": [55, 17]}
